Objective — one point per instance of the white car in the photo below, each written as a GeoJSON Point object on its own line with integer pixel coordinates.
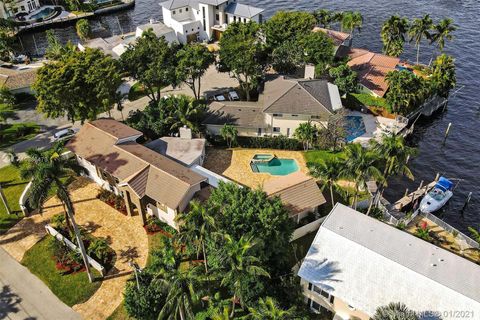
{"type": "Point", "coordinates": [64, 134]}
{"type": "Point", "coordinates": [233, 96]}
{"type": "Point", "coordinates": [220, 97]}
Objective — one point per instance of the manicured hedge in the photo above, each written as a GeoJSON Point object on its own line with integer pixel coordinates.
{"type": "Point", "coordinates": [275, 142]}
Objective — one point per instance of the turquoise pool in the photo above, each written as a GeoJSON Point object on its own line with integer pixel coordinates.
{"type": "Point", "coordinates": [275, 166]}
{"type": "Point", "coordinates": [354, 127]}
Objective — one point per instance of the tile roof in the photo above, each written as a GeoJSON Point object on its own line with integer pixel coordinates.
{"type": "Point", "coordinates": [116, 129]}
{"type": "Point", "coordinates": [14, 79]}
{"type": "Point", "coordinates": [368, 263]}
{"type": "Point", "coordinates": [241, 114]}
{"type": "Point", "coordinates": [297, 191]}
{"type": "Point", "coordinates": [243, 10]}
{"type": "Point", "coordinates": [337, 36]}
{"type": "Point", "coordinates": [372, 68]}
{"type": "Point", "coordinates": [185, 151]}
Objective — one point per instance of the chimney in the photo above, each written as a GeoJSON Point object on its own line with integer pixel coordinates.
{"type": "Point", "coordinates": [185, 133]}
{"type": "Point", "coordinates": [309, 72]}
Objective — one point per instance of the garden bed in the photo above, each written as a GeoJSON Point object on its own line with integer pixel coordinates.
{"type": "Point", "coordinates": [154, 225]}
{"type": "Point", "coordinates": [113, 200]}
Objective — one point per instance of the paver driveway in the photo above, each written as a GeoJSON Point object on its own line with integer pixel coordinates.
{"type": "Point", "coordinates": [124, 234]}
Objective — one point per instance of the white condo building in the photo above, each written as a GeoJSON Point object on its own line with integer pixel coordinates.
{"type": "Point", "coordinates": [199, 20]}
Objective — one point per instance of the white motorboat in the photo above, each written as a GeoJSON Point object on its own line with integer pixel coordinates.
{"type": "Point", "coordinates": [438, 196]}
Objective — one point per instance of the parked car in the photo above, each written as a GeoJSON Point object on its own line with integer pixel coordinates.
{"type": "Point", "coordinates": [64, 134]}
{"type": "Point", "coordinates": [220, 97]}
{"type": "Point", "coordinates": [233, 96]}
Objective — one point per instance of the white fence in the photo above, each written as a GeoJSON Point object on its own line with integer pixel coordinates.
{"type": "Point", "coordinates": [71, 245]}
{"type": "Point", "coordinates": [311, 227]}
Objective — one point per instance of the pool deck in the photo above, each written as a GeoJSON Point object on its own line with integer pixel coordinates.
{"type": "Point", "coordinates": [375, 127]}
{"type": "Point", "coordinates": [234, 164]}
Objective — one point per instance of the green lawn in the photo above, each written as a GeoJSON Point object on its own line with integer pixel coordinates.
{"type": "Point", "coordinates": [11, 134]}
{"type": "Point", "coordinates": [321, 155]}
{"type": "Point", "coordinates": [72, 288]}
{"type": "Point", "coordinates": [136, 92]}
{"type": "Point", "coordinates": [13, 187]}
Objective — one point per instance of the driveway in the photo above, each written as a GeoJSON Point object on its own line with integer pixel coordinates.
{"type": "Point", "coordinates": [24, 296]}
{"type": "Point", "coordinates": [124, 234]}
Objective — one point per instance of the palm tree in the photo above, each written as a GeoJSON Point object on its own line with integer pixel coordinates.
{"type": "Point", "coordinates": [229, 133]}
{"type": "Point", "coordinates": [338, 17]}
{"type": "Point", "coordinates": [183, 287]}
{"type": "Point", "coordinates": [196, 225]}
{"type": "Point", "coordinates": [306, 133]}
{"type": "Point", "coordinates": [323, 17]}
{"type": "Point", "coordinates": [443, 31]}
{"type": "Point", "coordinates": [419, 30]}
{"type": "Point", "coordinates": [185, 111]}
{"type": "Point", "coordinates": [394, 311]}
{"type": "Point", "coordinates": [393, 35]}
{"type": "Point", "coordinates": [237, 265]}
{"type": "Point", "coordinates": [328, 171]}
{"type": "Point", "coordinates": [352, 21]}
{"type": "Point", "coordinates": [268, 310]}
{"type": "Point", "coordinates": [360, 166]}
{"type": "Point", "coordinates": [475, 234]}
{"type": "Point", "coordinates": [46, 170]}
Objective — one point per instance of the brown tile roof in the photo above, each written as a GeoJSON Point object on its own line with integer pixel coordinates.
{"type": "Point", "coordinates": [115, 128]}
{"type": "Point", "coordinates": [337, 36]}
{"type": "Point", "coordinates": [17, 79]}
{"type": "Point", "coordinates": [145, 171]}
{"type": "Point", "coordinates": [372, 68]}
{"type": "Point", "coordinates": [297, 191]}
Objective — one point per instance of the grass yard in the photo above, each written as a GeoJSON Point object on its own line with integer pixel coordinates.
{"type": "Point", "coordinates": [365, 99]}
{"type": "Point", "coordinates": [13, 187]}
{"type": "Point", "coordinates": [11, 134]}
{"type": "Point", "coordinates": [136, 92]}
{"type": "Point", "coordinates": [120, 314]}
{"type": "Point", "coordinates": [321, 155]}
{"type": "Point", "coordinates": [72, 288]}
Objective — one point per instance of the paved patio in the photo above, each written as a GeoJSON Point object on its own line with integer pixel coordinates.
{"type": "Point", "coordinates": [234, 164]}
{"type": "Point", "coordinates": [124, 234]}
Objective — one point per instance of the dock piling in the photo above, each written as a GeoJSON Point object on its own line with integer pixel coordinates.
{"type": "Point", "coordinates": [447, 132]}
{"type": "Point", "coordinates": [467, 201]}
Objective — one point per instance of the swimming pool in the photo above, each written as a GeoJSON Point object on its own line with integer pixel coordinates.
{"type": "Point", "coordinates": [42, 14]}
{"type": "Point", "coordinates": [274, 166]}
{"type": "Point", "coordinates": [354, 127]}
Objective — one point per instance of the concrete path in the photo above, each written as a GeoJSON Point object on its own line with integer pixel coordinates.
{"type": "Point", "coordinates": [23, 296]}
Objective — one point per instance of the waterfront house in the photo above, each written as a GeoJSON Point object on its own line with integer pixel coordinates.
{"type": "Point", "coordinates": [150, 183]}
{"type": "Point", "coordinates": [357, 264]}
{"type": "Point", "coordinates": [7, 11]}
{"type": "Point", "coordinates": [282, 106]}
{"type": "Point", "coordinates": [200, 20]}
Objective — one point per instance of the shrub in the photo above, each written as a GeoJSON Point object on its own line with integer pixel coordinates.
{"type": "Point", "coordinates": [276, 142]}
{"type": "Point", "coordinates": [99, 250]}
{"type": "Point", "coordinates": [58, 221]}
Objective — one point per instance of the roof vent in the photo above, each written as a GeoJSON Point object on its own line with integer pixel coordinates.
{"type": "Point", "coordinates": [434, 264]}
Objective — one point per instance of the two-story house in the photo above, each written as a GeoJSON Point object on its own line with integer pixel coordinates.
{"type": "Point", "coordinates": [8, 10]}
{"type": "Point", "coordinates": [199, 20]}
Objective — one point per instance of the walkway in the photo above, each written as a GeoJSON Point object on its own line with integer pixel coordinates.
{"type": "Point", "coordinates": [24, 296]}
{"type": "Point", "coordinates": [124, 234]}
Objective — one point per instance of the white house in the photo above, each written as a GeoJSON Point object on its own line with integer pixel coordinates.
{"type": "Point", "coordinates": [17, 6]}
{"type": "Point", "coordinates": [199, 20]}
{"type": "Point", "coordinates": [357, 264]}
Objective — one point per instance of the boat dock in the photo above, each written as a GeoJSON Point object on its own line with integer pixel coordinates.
{"type": "Point", "coordinates": [411, 198]}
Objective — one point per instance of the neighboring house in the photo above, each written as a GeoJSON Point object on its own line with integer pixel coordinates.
{"type": "Point", "coordinates": [372, 69]}
{"type": "Point", "coordinates": [18, 6]}
{"type": "Point", "coordinates": [159, 29]}
{"type": "Point", "coordinates": [148, 181]}
{"type": "Point", "coordinates": [184, 149]}
{"type": "Point", "coordinates": [18, 80]}
{"type": "Point", "coordinates": [298, 192]}
{"type": "Point", "coordinates": [340, 39]}
{"type": "Point", "coordinates": [200, 20]}
{"type": "Point", "coordinates": [357, 264]}
{"type": "Point", "coordinates": [282, 106]}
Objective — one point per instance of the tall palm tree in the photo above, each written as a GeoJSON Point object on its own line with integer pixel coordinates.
{"type": "Point", "coordinates": [196, 225]}
{"type": "Point", "coordinates": [269, 310]}
{"type": "Point", "coordinates": [229, 133]}
{"type": "Point", "coordinates": [323, 17]}
{"type": "Point", "coordinates": [184, 291]}
{"type": "Point", "coordinates": [360, 165]}
{"type": "Point", "coordinates": [352, 21]}
{"type": "Point", "coordinates": [328, 171]}
{"type": "Point", "coordinates": [338, 17]}
{"type": "Point", "coordinates": [185, 112]}
{"type": "Point", "coordinates": [419, 30]}
{"type": "Point", "coordinates": [306, 133]}
{"type": "Point", "coordinates": [394, 311]}
{"type": "Point", "coordinates": [443, 31]}
{"type": "Point", "coordinates": [237, 265]}
{"type": "Point", "coordinates": [393, 35]}
{"type": "Point", "coordinates": [46, 170]}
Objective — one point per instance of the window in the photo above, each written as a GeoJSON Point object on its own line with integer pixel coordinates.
{"type": "Point", "coordinates": [217, 17]}
{"type": "Point", "coordinates": [278, 115]}
{"type": "Point", "coordinates": [276, 129]}
{"type": "Point", "coordinates": [186, 9]}
{"type": "Point", "coordinates": [204, 22]}
{"type": "Point", "coordinates": [245, 20]}
{"type": "Point", "coordinates": [319, 290]}
{"type": "Point", "coordinates": [192, 29]}
{"type": "Point", "coordinates": [315, 117]}
{"type": "Point", "coordinates": [216, 7]}
{"type": "Point", "coordinates": [173, 11]}
{"type": "Point", "coordinates": [180, 11]}
{"type": "Point", "coordinates": [288, 132]}
{"type": "Point", "coordinates": [22, 8]}
{"type": "Point", "coordinates": [294, 115]}
{"type": "Point", "coordinates": [234, 19]}
{"type": "Point", "coordinates": [315, 306]}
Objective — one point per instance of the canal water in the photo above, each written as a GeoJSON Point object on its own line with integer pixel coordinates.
{"type": "Point", "coordinates": [458, 158]}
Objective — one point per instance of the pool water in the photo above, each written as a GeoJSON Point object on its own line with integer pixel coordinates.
{"type": "Point", "coordinates": [354, 127]}
{"type": "Point", "coordinates": [276, 167]}
{"type": "Point", "coordinates": [42, 14]}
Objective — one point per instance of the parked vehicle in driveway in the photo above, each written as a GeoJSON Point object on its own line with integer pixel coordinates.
{"type": "Point", "coordinates": [233, 95]}
{"type": "Point", "coordinates": [64, 134]}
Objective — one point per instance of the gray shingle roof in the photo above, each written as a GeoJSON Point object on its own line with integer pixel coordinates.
{"type": "Point", "coordinates": [243, 10]}
{"type": "Point", "coordinates": [186, 151]}
{"type": "Point", "coordinates": [235, 113]}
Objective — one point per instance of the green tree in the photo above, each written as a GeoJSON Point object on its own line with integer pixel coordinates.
{"type": "Point", "coordinates": [443, 77]}
{"type": "Point", "coordinates": [243, 55]}
{"type": "Point", "coordinates": [352, 21]}
{"type": "Point", "coordinates": [7, 97]}
{"type": "Point", "coordinates": [443, 31]}
{"type": "Point", "coordinates": [55, 50]}
{"type": "Point", "coordinates": [306, 133]}
{"type": "Point", "coordinates": [344, 78]}
{"type": "Point", "coordinates": [475, 233]}
{"type": "Point", "coordinates": [394, 311]}
{"type": "Point", "coordinates": [393, 35]}
{"type": "Point", "coordinates": [193, 62]}
{"type": "Point", "coordinates": [6, 40]}
{"type": "Point", "coordinates": [268, 309]}
{"type": "Point", "coordinates": [288, 26]}
{"type": "Point", "coordinates": [329, 171]}
{"type": "Point", "coordinates": [83, 29]}
{"type": "Point", "coordinates": [360, 166]}
{"type": "Point", "coordinates": [186, 112]}
{"type": "Point", "coordinates": [237, 266]}
{"type": "Point", "coordinates": [323, 17]}
{"type": "Point", "coordinates": [6, 112]}
{"type": "Point", "coordinates": [81, 85]}
{"type": "Point", "coordinates": [229, 134]}
{"type": "Point", "coordinates": [287, 57]}
{"type": "Point", "coordinates": [152, 62]}
{"type": "Point", "coordinates": [46, 169]}
{"type": "Point", "coordinates": [333, 136]}
{"type": "Point", "coordinates": [406, 91]}
{"type": "Point", "coordinates": [319, 50]}
{"type": "Point", "coordinates": [419, 30]}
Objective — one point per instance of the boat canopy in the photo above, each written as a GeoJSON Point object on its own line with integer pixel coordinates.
{"type": "Point", "coordinates": [444, 184]}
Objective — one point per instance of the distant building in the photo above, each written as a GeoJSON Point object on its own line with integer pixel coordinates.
{"type": "Point", "coordinates": [18, 80]}
{"type": "Point", "coordinates": [199, 20]}
{"type": "Point", "coordinates": [357, 264]}
{"type": "Point", "coordinates": [18, 6]}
